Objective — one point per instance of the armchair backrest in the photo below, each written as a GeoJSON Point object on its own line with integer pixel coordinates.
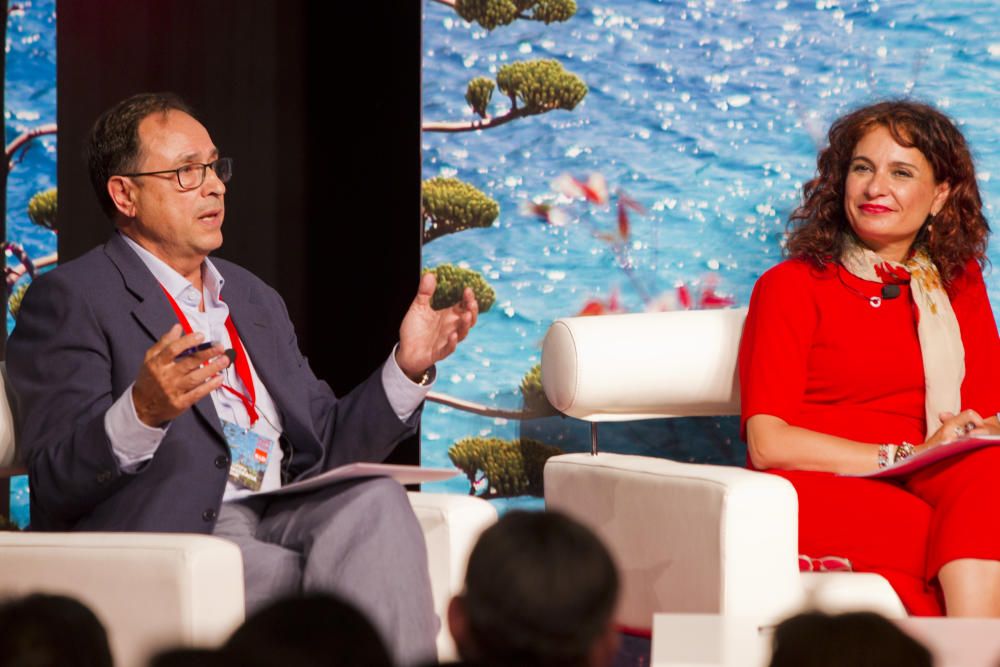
{"type": "Point", "coordinates": [644, 365]}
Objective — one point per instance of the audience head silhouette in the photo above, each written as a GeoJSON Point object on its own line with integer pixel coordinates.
{"type": "Point", "coordinates": [856, 639]}
{"type": "Point", "coordinates": [540, 589]}
{"type": "Point", "coordinates": [306, 631]}
{"type": "Point", "coordinates": [197, 657]}
{"type": "Point", "coordinates": [51, 631]}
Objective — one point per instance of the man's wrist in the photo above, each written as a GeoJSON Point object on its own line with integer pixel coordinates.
{"type": "Point", "coordinates": [405, 395]}
{"type": "Point", "coordinates": [137, 413]}
{"type": "Point", "coordinates": [131, 440]}
{"type": "Point", "coordinates": [421, 377]}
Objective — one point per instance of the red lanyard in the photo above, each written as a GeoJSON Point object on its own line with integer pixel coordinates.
{"type": "Point", "coordinates": [241, 363]}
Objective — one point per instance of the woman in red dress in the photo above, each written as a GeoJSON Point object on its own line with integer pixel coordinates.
{"type": "Point", "coordinates": [875, 342]}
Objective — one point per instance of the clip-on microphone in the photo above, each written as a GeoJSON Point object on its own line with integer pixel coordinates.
{"type": "Point", "coordinates": [890, 291]}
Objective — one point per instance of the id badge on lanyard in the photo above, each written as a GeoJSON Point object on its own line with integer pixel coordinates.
{"type": "Point", "coordinates": [249, 450]}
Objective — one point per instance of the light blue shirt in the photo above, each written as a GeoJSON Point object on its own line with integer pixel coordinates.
{"type": "Point", "coordinates": [134, 442]}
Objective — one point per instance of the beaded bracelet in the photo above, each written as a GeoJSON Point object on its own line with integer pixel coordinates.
{"type": "Point", "coordinates": [886, 454]}
{"type": "Point", "coordinates": [893, 454]}
{"type": "Point", "coordinates": [903, 452]}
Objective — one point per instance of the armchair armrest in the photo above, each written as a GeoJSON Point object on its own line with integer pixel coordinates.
{"type": "Point", "coordinates": [687, 538]}
{"type": "Point", "coordinates": [837, 592]}
{"type": "Point", "coordinates": [451, 525]}
{"type": "Point", "coordinates": [150, 591]}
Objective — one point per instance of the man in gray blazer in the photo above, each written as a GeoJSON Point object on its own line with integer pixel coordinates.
{"type": "Point", "coordinates": [160, 390]}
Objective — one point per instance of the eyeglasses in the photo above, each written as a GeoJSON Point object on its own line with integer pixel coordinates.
{"type": "Point", "coordinates": [191, 176]}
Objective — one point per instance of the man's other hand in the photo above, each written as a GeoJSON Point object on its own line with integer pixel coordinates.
{"type": "Point", "coordinates": [167, 386]}
{"type": "Point", "coordinates": [427, 336]}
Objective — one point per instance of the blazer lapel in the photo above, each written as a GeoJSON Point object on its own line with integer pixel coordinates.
{"type": "Point", "coordinates": [253, 324]}
{"type": "Point", "coordinates": [152, 310]}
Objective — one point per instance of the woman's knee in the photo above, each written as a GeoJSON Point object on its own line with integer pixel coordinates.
{"type": "Point", "coordinates": [974, 472]}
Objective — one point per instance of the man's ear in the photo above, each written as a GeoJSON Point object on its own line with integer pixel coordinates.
{"type": "Point", "coordinates": [122, 193]}
{"type": "Point", "coordinates": [458, 624]}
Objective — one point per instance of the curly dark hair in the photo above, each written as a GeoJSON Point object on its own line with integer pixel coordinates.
{"type": "Point", "coordinates": [113, 145]}
{"type": "Point", "coordinates": [959, 232]}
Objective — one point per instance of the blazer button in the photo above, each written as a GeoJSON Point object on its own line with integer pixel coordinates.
{"type": "Point", "coordinates": [103, 477]}
{"type": "Point", "coordinates": [209, 514]}
{"type": "Point", "coordinates": [221, 461]}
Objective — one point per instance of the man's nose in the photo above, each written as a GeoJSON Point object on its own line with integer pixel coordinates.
{"type": "Point", "coordinates": [213, 185]}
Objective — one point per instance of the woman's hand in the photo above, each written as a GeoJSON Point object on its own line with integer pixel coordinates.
{"type": "Point", "coordinates": [953, 427]}
{"type": "Point", "coordinates": [990, 426]}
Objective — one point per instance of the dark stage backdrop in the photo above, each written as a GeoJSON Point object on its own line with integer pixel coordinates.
{"type": "Point", "coordinates": [325, 199]}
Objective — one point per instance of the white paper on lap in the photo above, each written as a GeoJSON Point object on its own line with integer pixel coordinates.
{"type": "Point", "coordinates": [401, 473]}
{"type": "Point", "coordinates": [932, 456]}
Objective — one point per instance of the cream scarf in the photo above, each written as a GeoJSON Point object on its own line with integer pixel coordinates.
{"type": "Point", "coordinates": [937, 328]}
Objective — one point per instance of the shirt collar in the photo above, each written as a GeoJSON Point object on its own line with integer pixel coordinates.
{"type": "Point", "coordinates": [173, 282]}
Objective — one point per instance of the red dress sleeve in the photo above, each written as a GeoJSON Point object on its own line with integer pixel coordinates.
{"type": "Point", "coordinates": [777, 338]}
{"type": "Point", "coordinates": [981, 387]}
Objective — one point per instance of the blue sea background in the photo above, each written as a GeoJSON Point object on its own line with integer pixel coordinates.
{"type": "Point", "coordinates": [709, 113]}
{"type": "Point", "coordinates": [29, 101]}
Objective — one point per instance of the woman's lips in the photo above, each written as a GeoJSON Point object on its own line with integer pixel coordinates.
{"type": "Point", "coordinates": [875, 208]}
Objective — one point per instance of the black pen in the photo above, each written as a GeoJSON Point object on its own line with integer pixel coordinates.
{"type": "Point", "coordinates": [191, 350]}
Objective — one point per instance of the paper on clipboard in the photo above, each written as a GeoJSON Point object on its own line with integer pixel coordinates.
{"type": "Point", "coordinates": [932, 456]}
{"type": "Point", "coordinates": [401, 473]}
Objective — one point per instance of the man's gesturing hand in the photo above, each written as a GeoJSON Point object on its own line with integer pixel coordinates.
{"type": "Point", "coordinates": [168, 386]}
{"type": "Point", "coordinates": [427, 336]}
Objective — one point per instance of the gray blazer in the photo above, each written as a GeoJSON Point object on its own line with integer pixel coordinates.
{"type": "Point", "coordinates": [79, 341]}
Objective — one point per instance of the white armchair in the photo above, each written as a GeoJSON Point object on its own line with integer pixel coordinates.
{"type": "Point", "coordinates": [688, 538]}
{"type": "Point", "coordinates": [452, 524]}
{"type": "Point", "coordinates": [155, 591]}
